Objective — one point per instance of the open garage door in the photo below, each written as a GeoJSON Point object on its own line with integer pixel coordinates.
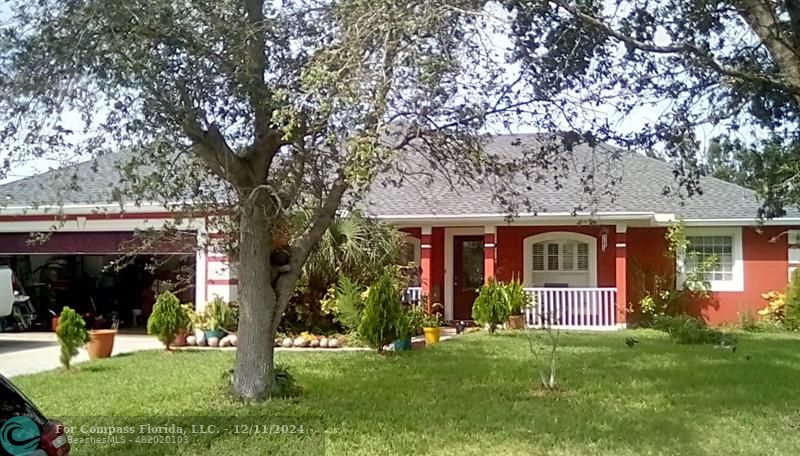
{"type": "Point", "coordinates": [102, 275]}
{"type": "Point", "coordinates": [95, 243]}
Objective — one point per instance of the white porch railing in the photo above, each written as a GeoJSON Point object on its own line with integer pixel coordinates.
{"type": "Point", "coordinates": [572, 308]}
{"type": "Point", "coordinates": [412, 295]}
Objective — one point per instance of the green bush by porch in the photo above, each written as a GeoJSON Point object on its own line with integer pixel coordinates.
{"type": "Point", "coordinates": [475, 395]}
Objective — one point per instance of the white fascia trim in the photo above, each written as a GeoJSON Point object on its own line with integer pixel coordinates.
{"type": "Point", "coordinates": [737, 284]}
{"type": "Point", "coordinates": [784, 221]}
{"type": "Point", "coordinates": [84, 209]}
{"type": "Point", "coordinates": [519, 219]}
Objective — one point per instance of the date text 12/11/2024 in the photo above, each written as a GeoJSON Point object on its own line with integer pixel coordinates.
{"type": "Point", "coordinates": [148, 429]}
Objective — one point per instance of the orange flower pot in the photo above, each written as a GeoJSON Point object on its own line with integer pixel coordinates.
{"type": "Point", "coordinates": [516, 322]}
{"type": "Point", "coordinates": [101, 343]}
{"type": "Point", "coordinates": [180, 339]}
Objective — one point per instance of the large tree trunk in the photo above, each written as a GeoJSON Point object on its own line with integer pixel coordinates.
{"type": "Point", "coordinates": [257, 303]}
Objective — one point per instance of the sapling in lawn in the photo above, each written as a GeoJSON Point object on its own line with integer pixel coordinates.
{"type": "Point", "coordinates": [550, 326]}
{"type": "Point", "coordinates": [71, 335]}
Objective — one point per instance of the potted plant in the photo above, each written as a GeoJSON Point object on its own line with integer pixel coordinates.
{"type": "Point", "coordinates": [406, 327]}
{"type": "Point", "coordinates": [188, 325]}
{"type": "Point", "coordinates": [101, 343]}
{"type": "Point", "coordinates": [432, 326]}
{"type": "Point", "coordinates": [517, 301]}
{"type": "Point", "coordinates": [218, 316]}
{"type": "Point", "coordinates": [199, 323]}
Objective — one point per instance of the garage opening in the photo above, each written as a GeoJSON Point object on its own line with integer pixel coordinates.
{"type": "Point", "coordinates": [102, 275]}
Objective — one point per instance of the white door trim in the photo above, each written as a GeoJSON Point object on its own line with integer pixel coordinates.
{"type": "Point", "coordinates": [449, 233]}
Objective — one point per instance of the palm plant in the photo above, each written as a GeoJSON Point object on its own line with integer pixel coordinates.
{"type": "Point", "coordinates": [354, 246]}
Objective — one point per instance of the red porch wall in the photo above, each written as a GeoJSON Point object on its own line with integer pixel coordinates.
{"type": "Point", "coordinates": [510, 252]}
{"type": "Point", "coordinates": [765, 268]}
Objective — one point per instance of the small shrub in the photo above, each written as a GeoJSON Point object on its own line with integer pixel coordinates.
{"type": "Point", "coordinates": [71, 335]}
{"type": "Point", "coordinates": [685, 329]}
{"type": "Point", "coordinates": [748, 322]}
{"type": "Point", "coordinates": [774, 312]}
{"type": "Point", "coordinates": [168, 319]}
{"type": "Point", "coordinates": [349, 303]}
{"type": "Point", "coordinates": [791, 318]}
{"type": "Point", "coordinates": [517, 298]}
{"type": "Point", "coordinates": [219, 315]}
{"type": "Point", "coordinates": [382, 309]}
{"type": "Point", "coordinates": [284, 384]}
{"type": "Point", "coordinates": [492, 305]}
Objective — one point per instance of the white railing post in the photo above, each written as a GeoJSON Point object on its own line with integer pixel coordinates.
{"type": "Point", "coordinates": [572, 308]}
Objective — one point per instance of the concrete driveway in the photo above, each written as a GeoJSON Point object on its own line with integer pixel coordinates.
{"type": "Point", "coordinates": [29, 353]}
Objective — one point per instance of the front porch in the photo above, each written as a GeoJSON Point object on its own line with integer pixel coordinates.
{"type": "Point", "coordinates": [576, 275]}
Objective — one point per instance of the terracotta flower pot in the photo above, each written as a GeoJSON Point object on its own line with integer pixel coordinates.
{"type": "Point", "coordinates": [432, 335]}
{"type": "Point", "coordinates": [101, 343]}
{"type": "Point", "coordinates": [516, 322]}
{"type": "Point", "coordinates": [180, 339]}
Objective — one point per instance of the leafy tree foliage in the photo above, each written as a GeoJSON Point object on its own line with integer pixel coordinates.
{"type": "Point", "coordinates": [791, 316]}
{"type": "Point", "coordinates": [726, 65]}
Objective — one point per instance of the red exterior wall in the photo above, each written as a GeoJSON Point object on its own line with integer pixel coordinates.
{"type": "Point", "coordinates": [510, 252]}
{"type": "Point", "coordinates": [766, 266]}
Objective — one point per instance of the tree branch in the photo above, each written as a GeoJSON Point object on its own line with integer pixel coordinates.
{"type": "Point", "coordinates": [764, 23]}
{"type": "Point", "coordinates": [792, 85]}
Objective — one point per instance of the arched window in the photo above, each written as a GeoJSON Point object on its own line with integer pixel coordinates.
{"type": "Point", "coordinates": [560, 259]}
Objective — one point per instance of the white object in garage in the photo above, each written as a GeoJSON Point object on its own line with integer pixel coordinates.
{"type": "Point", "coordinates": [6, 292]}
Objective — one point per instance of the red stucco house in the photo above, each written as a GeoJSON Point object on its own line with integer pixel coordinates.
{"type": "Point", "coordinates": [585, 256]}
{"type": "Point", "coordinates": [589, 266]}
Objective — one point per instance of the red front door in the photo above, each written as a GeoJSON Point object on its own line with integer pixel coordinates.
{"type": "Point", "coordinates": [467, 274]}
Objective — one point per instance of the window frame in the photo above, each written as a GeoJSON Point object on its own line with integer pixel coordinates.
{"type": "Point", "coordinates": [559, 236]}
{"type": "Point", "coordinates": [735, 233]}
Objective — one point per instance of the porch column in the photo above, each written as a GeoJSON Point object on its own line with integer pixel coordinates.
{"type": "Point", "coordinates": [426, 249]}
{"type": "Point", "coordinates": [490, 233]}
{"type": "Point", "coordinates": [622, 273]}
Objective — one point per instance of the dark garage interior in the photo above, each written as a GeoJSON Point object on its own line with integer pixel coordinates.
{"type": "Point", "coordinates": [102, 275]}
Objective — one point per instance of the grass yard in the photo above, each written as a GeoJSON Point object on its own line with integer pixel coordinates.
{"type": "Point", "coordinates": [469, 396]}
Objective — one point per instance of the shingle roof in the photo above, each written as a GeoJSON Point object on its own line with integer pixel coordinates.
{"type": "Point", "coordinates": [637, 182]}
{"type": "Point", "coordinates": [89, 182]}
{"type": "Point", "coordinates": [638, 185]}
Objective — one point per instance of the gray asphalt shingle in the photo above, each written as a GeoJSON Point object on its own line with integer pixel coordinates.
{"type": "Point", "coordinates": [637, 182]}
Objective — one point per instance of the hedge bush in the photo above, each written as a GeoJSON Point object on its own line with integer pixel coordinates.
{"type": "Point", "coordinates": [382, 310]}
{"type": "Point", "coordinates": [168, 318]}
{"type": "Point", "coordinates": [492, 305]}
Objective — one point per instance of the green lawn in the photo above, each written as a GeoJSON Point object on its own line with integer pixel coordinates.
{"type": "Point", "coordinates": [473, 395]}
